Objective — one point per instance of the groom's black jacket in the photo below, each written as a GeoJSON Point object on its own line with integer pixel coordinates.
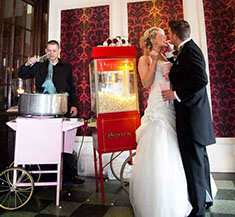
{"type": "Point", "coordinates": [188, 78]}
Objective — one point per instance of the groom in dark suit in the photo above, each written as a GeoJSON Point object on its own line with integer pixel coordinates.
{"type": "Point", "coordinates": [193, 118]}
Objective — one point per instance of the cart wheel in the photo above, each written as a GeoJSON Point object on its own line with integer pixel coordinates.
{"type": "Point", "coordinates": [29, 168]}
{"type": "Point", "coordinates": [16, 188]}
{"type": "Point", "coordinates": [116, 162]}
{"type": "Point", "coordinates": [126, 170]}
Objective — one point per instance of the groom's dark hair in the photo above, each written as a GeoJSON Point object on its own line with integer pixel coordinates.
{"type": "Point", "coordinates": [181, 28]}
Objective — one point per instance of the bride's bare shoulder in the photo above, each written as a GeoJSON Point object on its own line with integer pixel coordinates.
{"type": "Point", "coordinates": [145, 58]}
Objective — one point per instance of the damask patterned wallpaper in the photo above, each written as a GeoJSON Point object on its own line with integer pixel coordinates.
{"type": "Point", "coordinates": [82, 29]}
{"type": "Point", "coordinates": [221, 46]}
{"type": "Point", "coordinates": [219, 18]}
{"type": "Point", "coordinates": [143, 15]}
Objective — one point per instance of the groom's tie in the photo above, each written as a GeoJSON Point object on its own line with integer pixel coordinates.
{"type": "Point", "coordinates": [178, 52]}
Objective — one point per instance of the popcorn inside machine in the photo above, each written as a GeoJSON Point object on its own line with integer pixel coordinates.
{"type": "Point", "coordinates": [114, 100]}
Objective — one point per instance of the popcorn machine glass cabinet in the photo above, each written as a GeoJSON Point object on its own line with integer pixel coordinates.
{"type": "Point", "coordinates": [113, 85]}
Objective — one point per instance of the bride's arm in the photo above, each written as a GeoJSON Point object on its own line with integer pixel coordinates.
{"type": "Point", "coordinates": [147, 70]}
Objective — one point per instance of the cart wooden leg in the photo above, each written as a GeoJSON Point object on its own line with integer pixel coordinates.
{"type": "Point", "coordinates": [101, 178]}
{"type": "Point", "coordinates": [96, 171]}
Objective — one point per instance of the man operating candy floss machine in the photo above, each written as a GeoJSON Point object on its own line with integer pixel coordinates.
{"type": "Point", "coordinates": [114, 100]}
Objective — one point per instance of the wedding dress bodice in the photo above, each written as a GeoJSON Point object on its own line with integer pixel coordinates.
{"type": "Point", "coordinates": [157, 108]}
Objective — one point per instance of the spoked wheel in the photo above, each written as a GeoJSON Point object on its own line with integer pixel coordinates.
{"type": "Point", "coordinates": [16, 188]}
{"type": "Point", "coordinates": [30, 168]}
{"type": "Point", "coordinates": [126, 170]}
{"type": "Point", "coordinates": [116, 162]}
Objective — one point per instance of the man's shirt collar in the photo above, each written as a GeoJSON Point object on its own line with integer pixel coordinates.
{"type": "Point", "coordinates": [183, 42]}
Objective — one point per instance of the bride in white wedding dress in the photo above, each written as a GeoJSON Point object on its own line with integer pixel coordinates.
{"type": "Point", "coordinates": [158, 186]}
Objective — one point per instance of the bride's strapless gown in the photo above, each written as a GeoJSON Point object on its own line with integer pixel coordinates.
{"type": "Point", "coordinates": [158, 185]}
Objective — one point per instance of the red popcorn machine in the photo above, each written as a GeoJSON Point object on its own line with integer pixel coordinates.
{"type": "Point", "coordinates": [114, 100]}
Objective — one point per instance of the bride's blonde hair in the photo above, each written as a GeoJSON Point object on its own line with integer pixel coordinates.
{"type": "Point", "coordinates": [145, 42]}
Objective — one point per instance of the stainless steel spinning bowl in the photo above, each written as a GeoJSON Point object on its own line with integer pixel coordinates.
{"type": "Point", "coordinates": [43, 104]}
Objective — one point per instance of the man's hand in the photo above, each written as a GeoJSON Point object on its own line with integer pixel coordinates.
{"type": "Point", "coordinates": [73, 111]}
{"type": "Point", "coordinates": [31, 61]}
{"type": "Point", "coordinates": [168, 95]}
{"type": "Point", "coordinates": [170, 46]}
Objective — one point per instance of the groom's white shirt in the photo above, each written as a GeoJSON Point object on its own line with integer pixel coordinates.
{"type": "Point", "coordinates": [183, 42]}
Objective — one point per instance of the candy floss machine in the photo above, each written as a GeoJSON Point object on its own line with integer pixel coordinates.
{"type": "Point", "coordinates": [114, 99]}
